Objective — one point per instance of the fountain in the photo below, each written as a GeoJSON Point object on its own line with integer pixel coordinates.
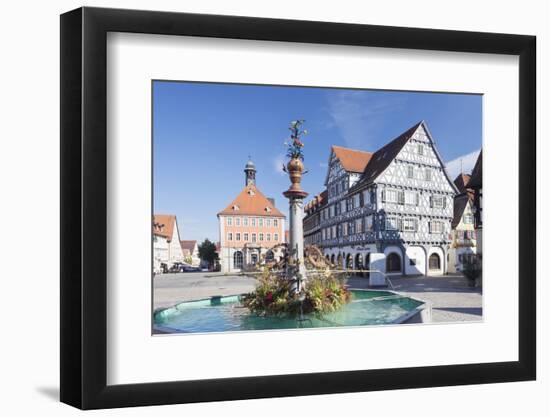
{"type": "Point", "coordinates": [288, 295]}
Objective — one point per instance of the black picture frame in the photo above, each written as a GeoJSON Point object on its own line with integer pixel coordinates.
{"type": "Point", "coordinates": [84, 207]}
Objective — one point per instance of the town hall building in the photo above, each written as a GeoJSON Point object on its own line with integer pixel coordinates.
{"type": "Point", "coordinates": [390, 210]}
{"type": "Point", "coordinates": [250, 227]}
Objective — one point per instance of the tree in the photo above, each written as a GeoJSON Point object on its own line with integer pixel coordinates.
{"type": "Point", "coordinates": [207, 252]}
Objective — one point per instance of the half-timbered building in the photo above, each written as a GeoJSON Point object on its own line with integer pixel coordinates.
{"type": "Point", "coordinates": [390, 210]}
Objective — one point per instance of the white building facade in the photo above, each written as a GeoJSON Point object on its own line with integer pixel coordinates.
{"type": "Point", "coordinates": [395, 215]}
{"type": "Point", "coordinates": [166, 240]}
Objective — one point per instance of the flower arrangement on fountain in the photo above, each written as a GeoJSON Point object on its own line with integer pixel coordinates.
{"type": "Point", "coordinates": [295, 289]}
{"type": "Point", "coordinates": [274, 295]}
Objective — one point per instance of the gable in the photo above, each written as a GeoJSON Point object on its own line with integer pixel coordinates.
{"type": "Point", "coordinates": [417, 154]}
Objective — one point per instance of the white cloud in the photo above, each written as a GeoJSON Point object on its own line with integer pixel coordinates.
{"type": "Point", "coordinates": [466, 162]}
{"type": "Point", "coordinates": [359, 114]}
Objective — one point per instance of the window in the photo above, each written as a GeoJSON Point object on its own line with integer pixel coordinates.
{"type": "Point", "coordinates": [349, 204]}
{"type": "Point", "coordinates": [345, 229]}
{"type": "Point", "coordinates": [409, 225]}
{"type": "Point", "coordinates": [359, 225]}
{"type": "Point", "coordinates": [230, 221]}
{"type": "Point", "coordinates": [238, 260]}
{"type": "Point", "coordinates": [261, 237]}
{"type": "Point", "coordinates": [468, 218]}
{"type": "Point", "coordinates": [339, 230]}
{"type": "Point", "coordinates": [438, 201]}
{"type": "Point", "coordinates": [334, 232]}
{"type": "Point", "coordinates": [246, 237]}
{"type": "Point", "coordinates": [428, 174]}
{"type": "Point", "coordinates": [245, 221]}
{"type": "Point", "coordinates": [260, 222]}
{"type": "Point", "coordinates": [237, 221]}
{"type": "Point", "coordinates": [343, 206]}
{"type": "Point", "coordinates": [420, 149]}
{"type": "Point", "coordinates": [230, 236]}
{"type": "Point", "coordinates": [368, 222]}
{"type": "Point", "coordinates": [275, 222]}
{"type": "Point", "coordinates": [268, 222]}
{"type": "Point", "coordinates": [393, 223]}
{"type": "Point", "coordinates": [356, 200]}
{"type": "Point", "coordinates": [253, 237]}
{"type": "Point", "coordinates": [276, 237]}
{"type": "Point", "coordinates": [366, 196]}
{"type": "Point", "coordinates": [237, 237]}
{"type": "Point", "coordinates": [268, 237]}
{"type": "Point", "coordinates": [351, 228]}
{"type": "Point", "coordinates": [410, 171]}
{"type": "Point", "coordinates": [411, 198]}
{"type": "Point", "coordinates": [390, 196]}
{"type": "Point", "coordinates": [436, 226]}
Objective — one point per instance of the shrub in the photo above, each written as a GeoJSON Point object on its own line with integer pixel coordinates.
{"type": "Point", "coordinates": [274, 295]}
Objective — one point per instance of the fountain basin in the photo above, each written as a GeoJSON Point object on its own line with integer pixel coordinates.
{"type": "Point", "coordinates": [222, 314]}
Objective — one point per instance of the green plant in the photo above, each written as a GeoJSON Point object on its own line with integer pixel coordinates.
{"type": "Point", "coordinates": [274, 296]}
{"type": "Point", "coordinates": [207, 252]}
{"type": "Point", "coordinates": [472, 270]}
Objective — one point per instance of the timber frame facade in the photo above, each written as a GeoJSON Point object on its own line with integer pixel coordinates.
{"type": "Point", "coordinates": [395, 216]}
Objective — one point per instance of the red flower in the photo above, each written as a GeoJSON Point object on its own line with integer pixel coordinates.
{"type": "Point", "coordinates": [269, 297]}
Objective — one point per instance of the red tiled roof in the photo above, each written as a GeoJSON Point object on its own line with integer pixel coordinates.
{"type": "Point", "coordinates": [251, 201]}
{"type": "Point", "coordinates": [163, 225]}
{"type": "Point", "coordinates": [352, 160]}
{"type": "Point", "coordinates": [188, 245]}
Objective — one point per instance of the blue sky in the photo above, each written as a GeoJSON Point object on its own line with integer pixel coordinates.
{"type": "Point", "coordinates": [203, 134]}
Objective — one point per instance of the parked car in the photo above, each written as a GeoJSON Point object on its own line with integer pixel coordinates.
{"type": "Point", "coordinates": [177, 267]}
{"type": "Point", "coordinates": [188, 268]}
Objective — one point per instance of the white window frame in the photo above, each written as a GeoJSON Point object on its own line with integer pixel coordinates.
{"type": "Point", "coordinates": [245, 237]}
{"type": "Point", "coordinates": [420, 149]}
{"type": "Point", "coordinates": [407, 221]}
{"type": "Point", "coordinates": [229, 236]}
{"type": "Point", "coordinates": [237, 221]}
{"type": "Point", "coordinates": [410, 198]}
{"type": "Point", "coordinates": [261, 237]}
{"type": "Point", "coordinates": [254, 237]}
{"type": "Point", "coordinates": [388, 223]}
{"type": "Point", "coordinates": [261, 222]}
{"type": "Point", "coordinates": [238, 237]}
{"type": "Point", "coordinates": [229, 221]}
{"type": "Point", "coordinates": [410, 172]}
{"type": "Point", "coordinates": [428, 174]}
{"type": "Point", "coordinates": [276, 237]}
{"type": "Point", "coordinates": [436, 222]}
{"type": "Point", "coordinates": [268, 237]}
{"type": "Point", "coordinates": [440, 199]}
{"type": "Point", "coordinates": [245, 221]}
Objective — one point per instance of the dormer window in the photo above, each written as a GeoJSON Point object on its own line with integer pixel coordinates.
{"type": "Point", "coordinates": [235, 207]}
{"type": "Point", "coordinates": [251, 191]}
{"type": "Point", "coordinates": [268, 209]}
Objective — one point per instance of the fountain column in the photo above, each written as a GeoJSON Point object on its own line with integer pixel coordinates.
{"type": "Point", "coordinates": [296, 269]}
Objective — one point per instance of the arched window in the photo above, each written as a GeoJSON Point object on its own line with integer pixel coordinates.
{"type": "Point", "coordinates": [393, 263]}
{"type": "Point", "coordinates": [254, 258]}
{"type": "Point", "coordinates": [435, 261]}
{"type": "Point", "coordinates": [269, 257]}
{"type": "Point", "coordinates": [238, 260]}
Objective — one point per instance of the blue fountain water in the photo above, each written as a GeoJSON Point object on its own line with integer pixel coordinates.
{"type": "Point", "coordinates": [223, 314]}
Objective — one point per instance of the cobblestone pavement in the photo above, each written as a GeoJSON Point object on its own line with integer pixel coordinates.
{"type": "Point", "coordinates": [171, 289]}
{"type": "Point", "coordinates": [451, 298]}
